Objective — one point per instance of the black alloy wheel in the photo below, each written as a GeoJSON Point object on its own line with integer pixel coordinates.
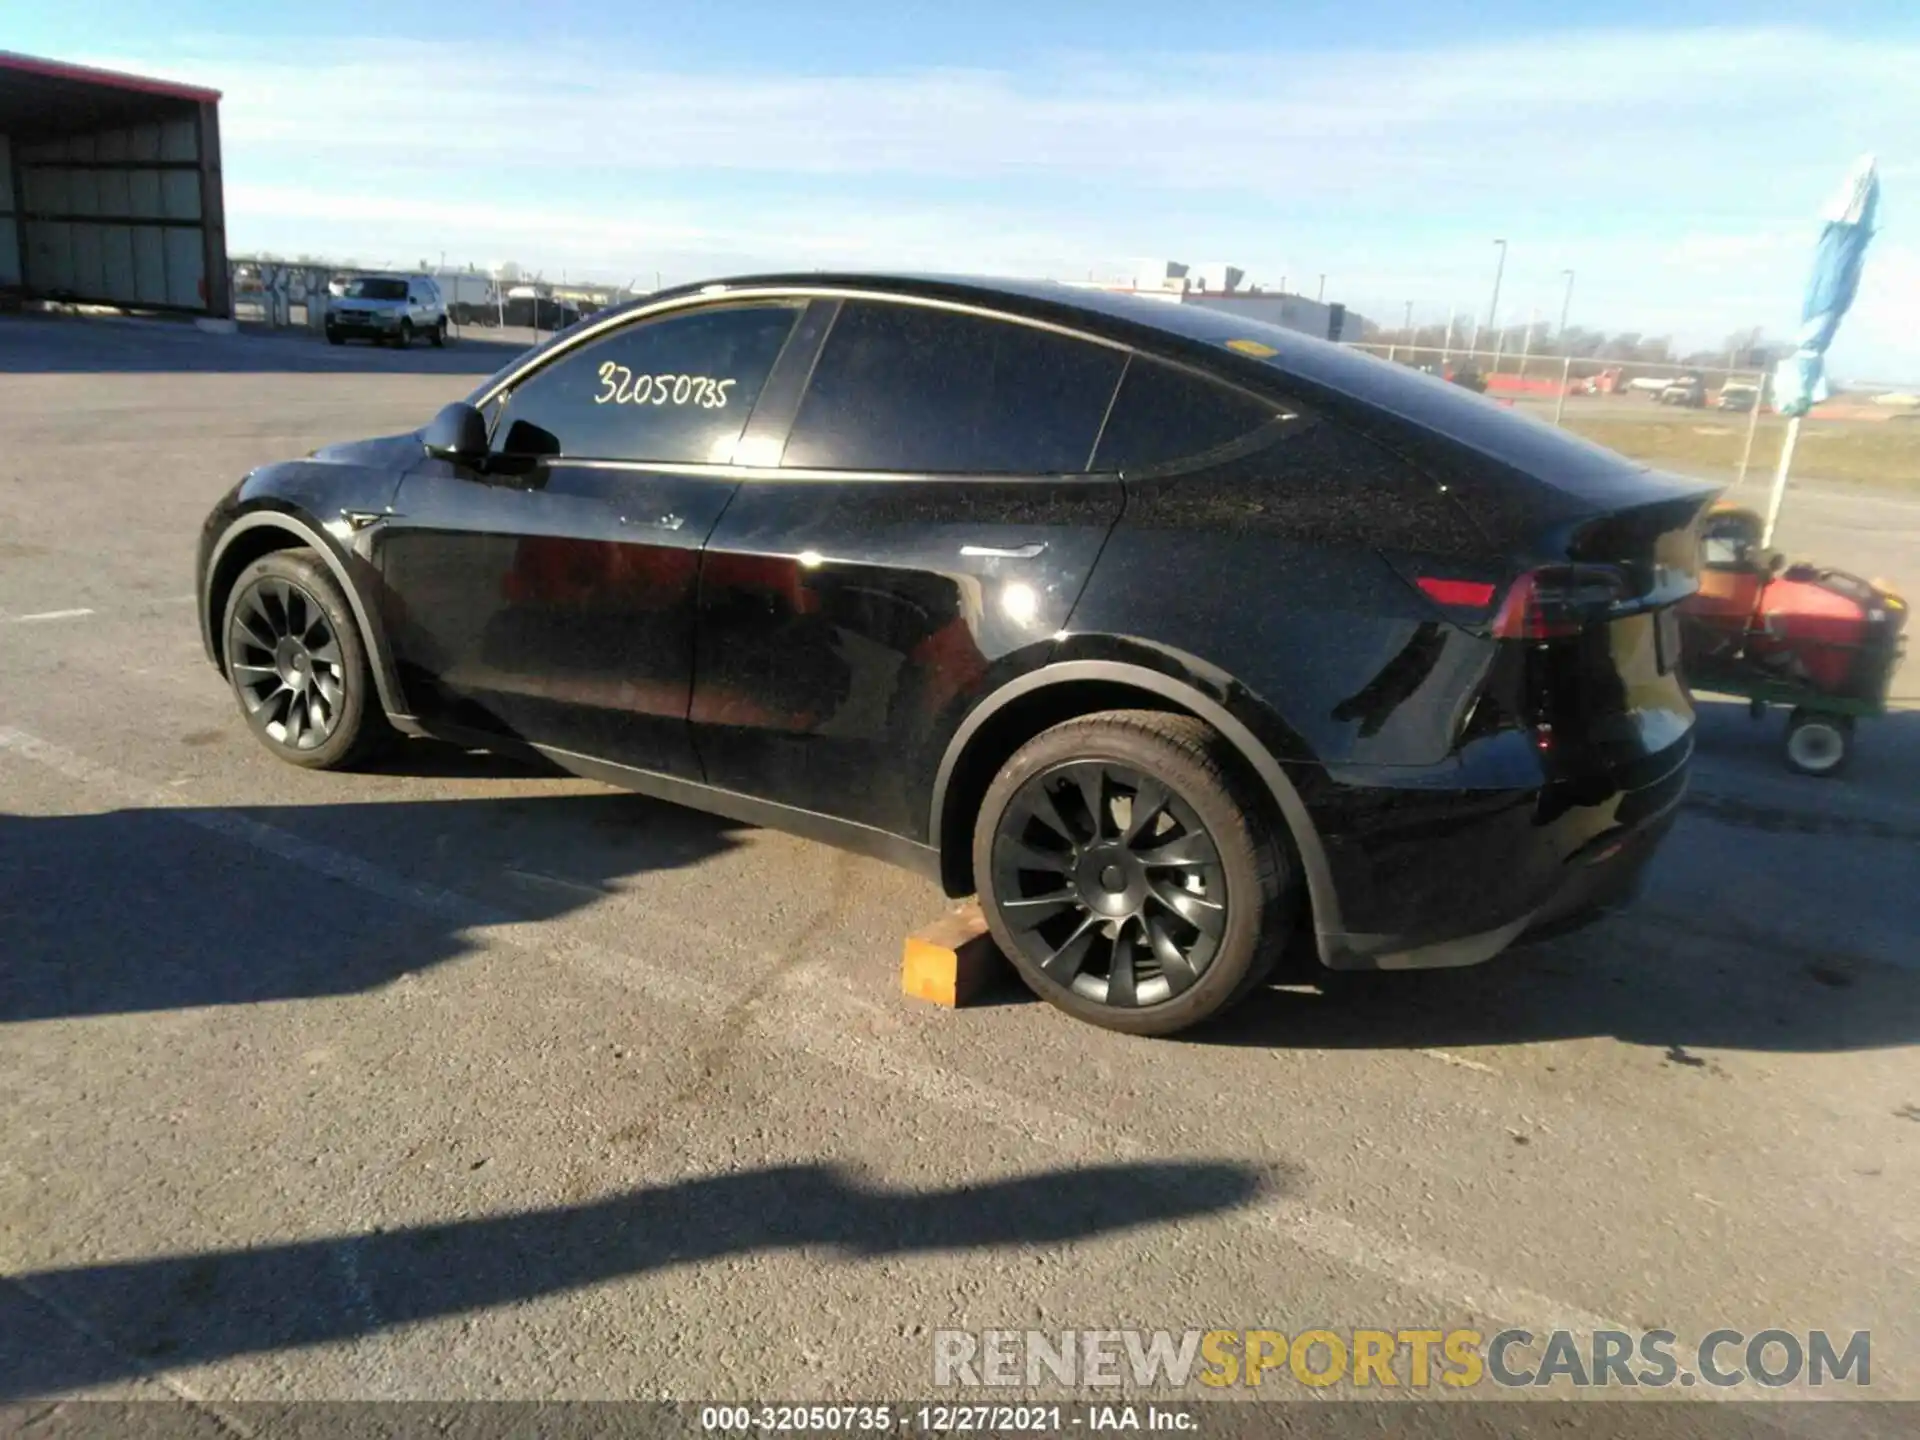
{"type": "Point", "coordinates": [286, 664]}
{"type": "Point", "coordinates": [297, 665]}
{"type": "Point", "coordinates": [1127, 873]}
{"type": "Point", "coordinates": [1110, 883]}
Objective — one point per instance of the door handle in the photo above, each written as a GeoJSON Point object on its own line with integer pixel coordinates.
{"type": "Point", "coordinates": [1010, 552]}
{"type": "Point", "coordinates": [661, 522]}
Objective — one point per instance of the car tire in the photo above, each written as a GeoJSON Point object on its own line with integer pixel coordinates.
{"type": "Point", "coordinates": [440, 336]}
{"type": "Point", "coordinates": [1094, 896]}
{"type": "Point", "coordinates": [1817, 743]}
{"type": "Point", "coordinates": [404, 339]}
{"type": "Point", "coordinates": [334, 337]}
{"type": "Point", "coordinates": [288, 620]}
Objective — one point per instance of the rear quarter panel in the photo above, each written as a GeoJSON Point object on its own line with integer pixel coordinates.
{"type": "Point", "coordinates": [1262, 578]}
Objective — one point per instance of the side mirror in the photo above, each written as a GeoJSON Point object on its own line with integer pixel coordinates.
{"type": "Point", "coordinates": [458, 433]}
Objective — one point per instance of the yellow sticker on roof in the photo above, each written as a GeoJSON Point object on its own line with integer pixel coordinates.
{"type": "Point", "coordinates": [1252, 347]}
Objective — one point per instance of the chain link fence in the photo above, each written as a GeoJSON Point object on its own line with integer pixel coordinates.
{"type": "Point", "coordinates": [283, 295]}
{"type": "Point", "coordinates": [1702, 418]}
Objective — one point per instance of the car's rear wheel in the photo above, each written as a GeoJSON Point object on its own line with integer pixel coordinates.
{"type": "Point", "coordinates": [298, 665]}
{"type": "Point", "coordinates": [1130, 875]}
{"type": "Point", "coordinates": [405, 338]}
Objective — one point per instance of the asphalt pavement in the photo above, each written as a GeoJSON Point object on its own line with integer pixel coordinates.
{"type": "Point", "coordinates": [456, 1079]}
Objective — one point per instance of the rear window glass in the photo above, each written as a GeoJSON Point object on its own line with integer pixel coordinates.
{"type": "Point", "coordinates": [921, 389]}
{"type": "Point", "coordinates": [1554, 457]}
{"type": "Point", "coordinates": [1164, 415]}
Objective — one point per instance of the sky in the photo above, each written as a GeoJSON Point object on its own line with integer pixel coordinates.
{"type": "Point", "coordinates": [1674, 157]}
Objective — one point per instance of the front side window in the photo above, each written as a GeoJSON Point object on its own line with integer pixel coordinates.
{"type": "Point", "coordinates": [914, 388]}
{"type": "Point", "coordinates": [677, 389]}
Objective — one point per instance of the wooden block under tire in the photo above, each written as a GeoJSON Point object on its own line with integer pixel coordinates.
{"type": "Point", "coordinates": [952, 960]}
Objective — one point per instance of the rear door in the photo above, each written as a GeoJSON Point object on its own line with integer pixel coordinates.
{"type": "Point", "coordinates": [927, 528]}
{"type": "Point", "coordinates": [551, 597]}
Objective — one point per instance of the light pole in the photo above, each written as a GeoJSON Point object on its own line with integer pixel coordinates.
{"type": "Point", "coordinates": [1322, 295]}
{"type": "Point", "coordinates": [1566, 302]}
{"type": "Point", "coordinates": [1493, 306]}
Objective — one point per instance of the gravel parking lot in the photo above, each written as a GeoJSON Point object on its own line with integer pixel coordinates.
{"type": "Point", "coordinates": [461, 1080]}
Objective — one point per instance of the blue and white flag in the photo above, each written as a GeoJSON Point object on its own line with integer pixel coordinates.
{"type": "Point", "coordinates": [1800, 380]}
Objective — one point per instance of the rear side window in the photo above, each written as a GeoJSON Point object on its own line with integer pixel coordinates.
{"type": "Point", "coordinates": [677, 389]}
{"type": "Point", "coordinates": [1164, 415]}
{"type": "Point", "coordinates": [910, 387]}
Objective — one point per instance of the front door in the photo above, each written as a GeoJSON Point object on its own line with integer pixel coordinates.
{"type": "Point", "coordinates": [550, 597]}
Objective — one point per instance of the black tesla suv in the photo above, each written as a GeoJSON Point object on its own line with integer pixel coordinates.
{"type": "Point", "coordinates": [1174, 636]}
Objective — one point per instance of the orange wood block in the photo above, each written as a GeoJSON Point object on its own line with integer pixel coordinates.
{"type": "Point", "coordinates": [950, 961]}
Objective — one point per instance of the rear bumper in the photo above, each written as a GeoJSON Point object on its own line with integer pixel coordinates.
{"type": "Point", "coordinates": [1509, 867]}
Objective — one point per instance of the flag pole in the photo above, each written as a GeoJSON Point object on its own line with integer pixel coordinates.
{"type": "Point", "coordinates": [1780, 481]}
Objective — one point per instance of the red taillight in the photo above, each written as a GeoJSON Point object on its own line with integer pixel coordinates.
{"type": "Point", "coordinates": [1557, 601]}
{"type": "Point", "coordinates": [1471, 594]}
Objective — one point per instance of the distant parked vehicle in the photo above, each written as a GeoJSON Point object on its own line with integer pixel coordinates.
{"type": "Point", "coordinates": [1647, 385]}
{"type": "Point", "coordinates": [386, 309]}
{"type": "Point", "coordinates": [1738, 395]}
{"type": "Point", "coordinates": [1688, 390]}
{"type": "Point", "coordinates": [471, 299]}
{"type": "Point", "coordinates": [1468, 378]}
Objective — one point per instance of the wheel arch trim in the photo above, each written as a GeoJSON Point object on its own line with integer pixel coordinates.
{"type": "Point", "coordinates": [1306, 837]}
{"type": "Point", "coordinates": [307, 534]}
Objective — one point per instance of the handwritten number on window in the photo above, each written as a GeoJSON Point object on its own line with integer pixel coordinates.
{"type": "Point", "coordinates": [620, 386]}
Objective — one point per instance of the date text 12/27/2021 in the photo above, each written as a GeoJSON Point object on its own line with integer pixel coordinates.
{"type": "Point", "coordinates": [944, 1419]}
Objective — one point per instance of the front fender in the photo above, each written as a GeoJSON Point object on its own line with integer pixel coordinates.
{"type": "Point", "coordinates": [275, 509]}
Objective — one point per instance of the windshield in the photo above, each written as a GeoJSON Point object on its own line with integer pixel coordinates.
{"type": "Point", "coordinates": [373, 289]}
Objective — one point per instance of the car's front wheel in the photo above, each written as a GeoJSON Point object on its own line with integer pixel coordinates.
{"type": "Point", "coordinates": [298, 665]}
{"type": "Point", "coordinates": [1130, 875]}
{"type": "Point", "coordinates": [404, 339]}
{"type": "Point", "coordinates": [440, 335]}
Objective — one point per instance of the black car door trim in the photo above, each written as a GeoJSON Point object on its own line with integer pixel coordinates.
{"type": "Point", "coordinates": [1313, 856]}
{"type": "Point", "coordinates": [778, 405]}
{"type": "Point", "coordinates": [1106, 416]}
{"type": "Point", "coordinates": [731, 804]}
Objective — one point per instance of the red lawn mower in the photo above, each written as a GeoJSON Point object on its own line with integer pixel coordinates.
{"type": "Point", "coordinates": [1821, 641]}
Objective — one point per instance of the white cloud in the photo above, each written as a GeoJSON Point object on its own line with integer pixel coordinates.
{"type": "Point", "coordinates": [1677, 172]}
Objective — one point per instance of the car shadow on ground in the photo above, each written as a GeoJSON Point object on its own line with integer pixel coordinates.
{"type": "Point", "coordinates": [199, 1309]}
{"type": "Point", "coordinates": [156, 909]}
{"type": "Point", "coordinates": [68, 345]}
